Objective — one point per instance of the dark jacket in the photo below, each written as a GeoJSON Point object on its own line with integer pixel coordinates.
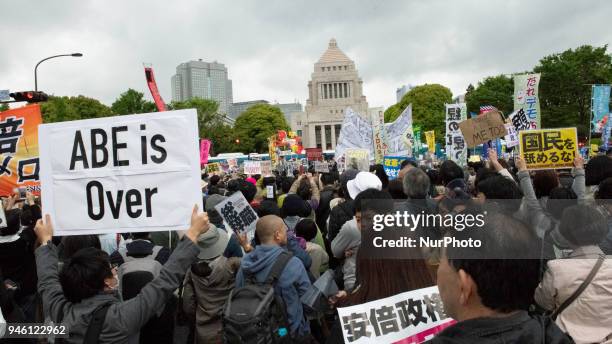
{"type": "Point", "coordinates": [17, 261]}
{"type": "Point", "coordinates": [124, 319]}
{"type": "Point", "coordinates": [518, 328]}
{"type": "Point", "coordinates": [141, 248]}
{"type": "Point", "coordinates": [322, 212]}
{"type": "Point", "coordinates": [338, 216]}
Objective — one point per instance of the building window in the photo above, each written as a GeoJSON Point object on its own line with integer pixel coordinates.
{"type": "Point", "coordinates": [334, 67]}
{"type": "Point", "coordinates": [335, 90]}
{"type": "Point", "coordinates": [299, 133]}
{"type": "Point", "coordinates": [345, 90]}
{"type": "Point", "coordinates": [325, 91]}
{"type": "Point", "coordinates": [331, 111]}
{"type": "Point", "coordinates": [328, 137]}
{"type": "Point", "coordinates": [328, 69]}
{"type": "Point", "coordinates": [318, 135]}
{"type": "Point", "coordinates": [345, 67]}
{"type": "Point", "coordinates": [322, 69]}
{"type": "Point", "coordinates": [337, 128]}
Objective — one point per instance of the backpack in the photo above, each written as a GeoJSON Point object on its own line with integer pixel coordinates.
{"type": "Point", "coordinates": [254, 314]}
{"type": "Point", "coordinates": [135, 272]}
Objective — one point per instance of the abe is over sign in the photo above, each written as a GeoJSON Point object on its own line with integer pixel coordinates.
{"type": "Point", "coordinates": [121, 174]}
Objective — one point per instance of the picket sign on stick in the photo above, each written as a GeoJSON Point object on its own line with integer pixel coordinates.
{"type": "Point", "coordinates": [136, 173]}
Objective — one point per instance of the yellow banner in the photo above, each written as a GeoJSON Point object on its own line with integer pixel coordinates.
{"type": "Point", "coordinates": [213, 168]}
{"type": "Point", "coordinates": [430, 136]}
{"type": "Point", "coordinates": [548, 148]}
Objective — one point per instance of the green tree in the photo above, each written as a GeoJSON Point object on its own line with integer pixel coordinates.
{"type": "Point", "coordinates": [427, 108]}
{"type": "Point", "coordinates": [4, 107]}
{"type": "Point", "coordinates": [132, 101]}
{"type": "Point", "coordinates": [256, 124]}
{"type": "Point", "coordinates": [565, 91]}
{"type": "Point", "coordinates": [209, 119]}
{"type": "Point", "coordinates": [493, 90]}
{"type": "Point", "coordinates": [59, 109]}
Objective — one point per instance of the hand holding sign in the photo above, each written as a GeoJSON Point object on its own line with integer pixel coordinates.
{"type": "Point", "coordinates": [44, 230]}
{"type": "Point", "coordinates": [199, 224]}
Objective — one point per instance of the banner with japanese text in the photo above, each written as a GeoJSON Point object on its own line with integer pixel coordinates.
{"type": "Point", "coordinates": [378, 130]}
{"type": "Point", "coordinates": [133, 173]}
{"type": "Point", "coordinates": [408, 318]}
{"type": "Point", "coordinates": [252, 167]}
{"type": "Point", "coordinates": [400, 136]}
{"type": "Point", "coordinates": [600, 107]}
{"type": "Point", "coordinates": [356, 133]}
{"type": "Point", "coordinates": [392, 165]}
{"type": "Point", "coordinates": [19, 164]}
{"type": "Point", "coordinates": [204, 151]}
{"type": "Point", "coordinates": [430, 137]}
{"type": "Point", "coordinates": [456, 148]}
{"type": "Point", "coordinates": [548, 148]}
{"type": "Point", "coordinates": [358, 159]}
{"type": "Point", "coordinates": [238, 215]}
{"type": "Point", "coordinates": [526, 97]}
{"type": "Point", "coordinates": [213, 168]}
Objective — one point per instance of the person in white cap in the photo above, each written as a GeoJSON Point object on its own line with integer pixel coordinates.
{"type": "Point", "coordinates": [345, 244]}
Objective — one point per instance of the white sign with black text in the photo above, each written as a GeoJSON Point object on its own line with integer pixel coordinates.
{"type": "Point", "coordinates": [121, 174]}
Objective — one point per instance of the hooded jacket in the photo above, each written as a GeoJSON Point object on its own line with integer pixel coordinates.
{"type": "Point", "coordinates": [518, 328]}
{"type": "Point", "coordinates": [292, 283]}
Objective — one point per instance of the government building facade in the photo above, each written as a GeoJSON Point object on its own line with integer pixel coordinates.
{"type": "Point", "coordinates": [334, 86]}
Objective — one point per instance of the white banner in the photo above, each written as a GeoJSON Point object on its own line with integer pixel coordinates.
{"type": "Point", "coordinates": [410, 317]}
{"type": "Point", "coordinates": [266, 168]}
{"type": "Point", "coordinates": [131, 173]}
{"type": "Point", "coordinates": [355, 133]}
{"type": "Point", "coordinates": [456, 148]}
{"type": "Point", "coordinates": [238, 214]}
{"type": "Point", "coordinates": [512, 139]}
{"type": "Point", "coordinates": [252, 167]}
{"type": "Point", "coordinates": [400, 135]}
{"type": "Point", "coordinates": [321, 166]}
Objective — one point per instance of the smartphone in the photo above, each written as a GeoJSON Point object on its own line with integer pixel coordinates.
{"type": "Point", "coordinates": [22, 192]}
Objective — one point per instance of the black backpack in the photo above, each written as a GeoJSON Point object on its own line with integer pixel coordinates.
{"type": "Point", "coordinates": [254, 314]}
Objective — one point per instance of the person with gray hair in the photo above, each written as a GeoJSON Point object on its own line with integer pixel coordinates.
{"type": "Point", "coordinates": [416, 184]}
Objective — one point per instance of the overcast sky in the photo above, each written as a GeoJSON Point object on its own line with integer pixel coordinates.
{"type": "Point", "coordinates": [270, 46]}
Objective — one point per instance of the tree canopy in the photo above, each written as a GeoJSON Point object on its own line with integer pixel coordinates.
{"type": "Point", "coordinates": [59, 109]}
{"type": "Point", "coordinates": [427, 108]}
{"type": "Point", "coordinates": [494, 90]}
{"type": "Point", "coordinates": [256, 124]}
{"type": "Point", "coordinates": [132, 101]}
{"type": "Point", "coordinates": [565, 85]}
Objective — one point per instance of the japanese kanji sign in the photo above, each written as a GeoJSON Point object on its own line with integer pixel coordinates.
{"type": "Point", "coordinates": [512, 138]}
{"type": "Point", "coordinates": [600, 107]}
{"type": "Point", "coordinates": [526, 97]}
{"type": "Point", "coordinates": [204, 150]}
{"type": "Point", "coordinates": [411, 317]}
{"type": "Point", "coordinates": [213, 168]}
{"type": "Point", "coordinates": [358, 159]}
{"type": "Point", "coordinates": [321, 166]}
{"type": "Point", "coordinates": [483, 128]}
{"type": "Point", "coordinates": [238, 214]}
{"type": "Point", "coordinates": [121, 174]}
{"type": "Point", "coordinates": [252, 167]}
{"type": "Point", "coordinates": [519, 120]}
{"type": "Point", "coordinates": [430, 137]}
{"type": "Point", "coordinates": [19, 165]}
{"type": "Point", "coordinates": [392, 165]}
{"type": "Point", "coordinates": [379, 137]}
{"type": "Point", "coordinates": [314, 154]}
{"type": "Point", "coordinates": [548, 148]}
{"type": "Point", "coordinates": [456, 148]}
{"type": "Point", "coordinates": [266, 167]}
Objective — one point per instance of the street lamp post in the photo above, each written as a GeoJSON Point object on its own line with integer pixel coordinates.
{"type": "Point", "coordinates": [48, 58]}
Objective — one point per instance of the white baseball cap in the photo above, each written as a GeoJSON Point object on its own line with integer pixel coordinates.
{"type": "Point", "coordinates": [363, 181]}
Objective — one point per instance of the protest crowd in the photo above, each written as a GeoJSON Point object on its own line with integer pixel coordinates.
{"type": "Point", "coordinates": [149, 287]}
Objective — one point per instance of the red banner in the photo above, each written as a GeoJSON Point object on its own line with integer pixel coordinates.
{"type": "Point", "coordinates": [314, 154]}
{"type": "Point", "coordinates": [19, 149]}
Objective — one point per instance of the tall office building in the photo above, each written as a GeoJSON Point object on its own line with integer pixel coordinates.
{"type": "Point", "coordinates": [207, 80]}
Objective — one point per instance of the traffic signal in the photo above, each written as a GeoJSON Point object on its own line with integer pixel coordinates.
{"type": "Point", "coordinates": [30, 96]}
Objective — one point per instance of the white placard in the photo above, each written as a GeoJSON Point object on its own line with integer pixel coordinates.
{"type": "Point", "coordinates": [252, 167]}
{"type": "Point", "coordinates": [321, 166]}
{"type": "Point", "coordinates": [266, 168]}
{"type": "Point", "coordinates": [411, 317]}
{"type": "Point", "coordinates": [131, 173]}
{"type": "Point", "coordinates": [238, 214]}
{"type": "Point", "coordinates": [512, 139]}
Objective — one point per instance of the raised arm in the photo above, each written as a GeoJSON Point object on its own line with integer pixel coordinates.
{"type": "Point", "coordinates": [578, 185]}
{"type": "Point", "coordinates": [49, 286]}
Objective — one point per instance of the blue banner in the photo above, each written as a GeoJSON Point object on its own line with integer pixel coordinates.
{"type": "Point", "coordinates": [392, 165]}
{"type": "Point", "coordinates": [600, 107]}
{"type": "Point", "coordinates": [605, 136]}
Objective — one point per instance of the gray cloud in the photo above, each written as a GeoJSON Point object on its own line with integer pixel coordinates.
{"type": "Point", "coordinates": [270, 46]}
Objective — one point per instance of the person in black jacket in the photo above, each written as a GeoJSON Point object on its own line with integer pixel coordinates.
{"type": "Point", "coordinates": [489, 289]}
